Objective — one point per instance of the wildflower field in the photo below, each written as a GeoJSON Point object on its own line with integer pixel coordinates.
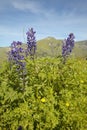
{"type": "Point", "coordinates": [48, 93]}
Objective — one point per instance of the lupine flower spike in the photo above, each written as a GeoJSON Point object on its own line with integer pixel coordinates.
{"type": "Point", "coordinates": [15, 55]}
{"type": "Point", "coordinates": [68, 45]}
{"type": "Point", "coordinates": [31, 42]}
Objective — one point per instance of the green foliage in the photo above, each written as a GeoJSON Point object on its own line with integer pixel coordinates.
{"type": "Point", "coordinates": [54, 96]}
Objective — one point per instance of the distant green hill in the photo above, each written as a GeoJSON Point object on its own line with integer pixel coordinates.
{"type": "Point", "coordinates": [3, 53]}
{"type": "Point", "coordinates": [51, 47]}
{"type": "Point", "coordinates": [80, 49]}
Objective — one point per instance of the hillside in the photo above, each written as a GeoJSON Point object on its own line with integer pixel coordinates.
{"type": "Point", "coordinates": [80, 49]}
{"type": "Point", "coordinates": [51, 47]}
{"type": "Point", "coordinates": [3, 53]}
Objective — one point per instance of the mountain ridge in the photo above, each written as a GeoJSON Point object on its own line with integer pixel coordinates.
{"type": "Point", "coordinates": [50, 46]}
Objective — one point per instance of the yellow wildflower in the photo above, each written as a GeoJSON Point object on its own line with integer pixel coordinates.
{"type": "Point", "coordinates": [67, 104]}
{"type": "Point", "coordinates": [81, 81]}
{"type": "Point", "coordinates": [43, 100]}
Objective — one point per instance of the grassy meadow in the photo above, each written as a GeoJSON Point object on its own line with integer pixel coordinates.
{"type": "Point", "coordinates": [51, 95]}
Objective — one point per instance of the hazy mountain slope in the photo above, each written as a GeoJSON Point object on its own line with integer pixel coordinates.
{"type": "Point", "coordinates": [48, 46]}
{"type": "Point", "coordinates": [3, 53]}
{"type": "Point", "coordinates": [52, 47]}
{"type": "Point", "coordinates": [80, 49]}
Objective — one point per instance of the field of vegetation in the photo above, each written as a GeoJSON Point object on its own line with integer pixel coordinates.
{"type": "Point", "coordinates": [43, 92]}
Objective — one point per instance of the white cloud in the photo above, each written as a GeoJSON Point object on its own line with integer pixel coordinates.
{"type": "Point", "coordinates": [32, 6]}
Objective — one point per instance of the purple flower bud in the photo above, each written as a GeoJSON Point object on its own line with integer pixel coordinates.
{"type": "Point", "coordinates": [31, 42]}
{"type": "Point", "coordinates": [68, 45]}
{"type": "Point", "coordinates": [16, 54]}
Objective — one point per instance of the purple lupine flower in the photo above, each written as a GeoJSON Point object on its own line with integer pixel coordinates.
{"type": "Point", "coordinates": [31, 42]}
{"type": "Point", "coordinates": [16, 54]}
{"type": "Point", "coordinates": [68, 45]}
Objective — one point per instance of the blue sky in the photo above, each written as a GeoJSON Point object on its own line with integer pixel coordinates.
{"type": "Point", "coordinates": [56, 18]}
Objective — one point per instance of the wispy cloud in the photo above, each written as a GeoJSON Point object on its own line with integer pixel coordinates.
{"type": "Point", "coordinates": [49, 18]}
{"type": "Point", "coordinates": [32, 6]}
